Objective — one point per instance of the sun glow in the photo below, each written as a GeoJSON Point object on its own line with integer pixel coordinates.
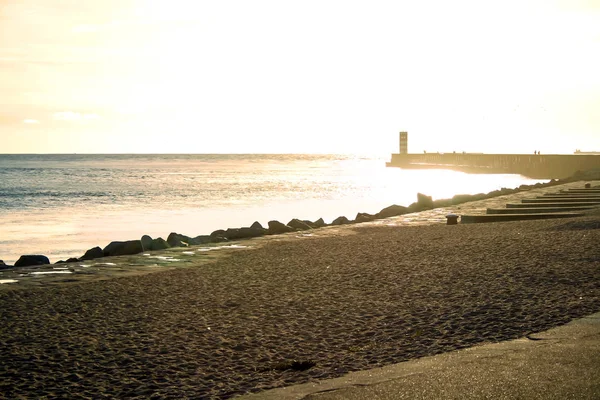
{"type": "Point", "coordinates": [317, 77]}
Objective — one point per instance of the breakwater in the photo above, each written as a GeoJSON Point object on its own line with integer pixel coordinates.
{"type": "Point", "coordinates": [537, 166]}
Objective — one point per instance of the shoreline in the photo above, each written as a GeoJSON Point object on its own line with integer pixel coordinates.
{"type": "Point", "coordinates": [300, 307]}
{"type": "Point", "coordinates": [418, 206]}
{"type": "Point", "coordinates": [362, 297]}
{"type": "Point", "coordinates": [108, 267]}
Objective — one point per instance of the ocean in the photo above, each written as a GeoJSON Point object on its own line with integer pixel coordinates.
{"type": "Point", "coordinates": [62, 205]}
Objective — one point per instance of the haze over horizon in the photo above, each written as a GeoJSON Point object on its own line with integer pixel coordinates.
{"type": "Point", "coordinates": [157, 76]}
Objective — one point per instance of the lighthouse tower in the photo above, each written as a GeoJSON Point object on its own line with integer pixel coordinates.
{"type": "Point", "coordinates": [403, 142]}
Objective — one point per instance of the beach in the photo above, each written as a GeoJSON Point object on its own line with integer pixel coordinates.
{"type": "Point", "coordinates": [298, 308]}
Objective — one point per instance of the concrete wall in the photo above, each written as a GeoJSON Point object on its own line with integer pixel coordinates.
{"type": "Point", "coordinates": [551, 166]}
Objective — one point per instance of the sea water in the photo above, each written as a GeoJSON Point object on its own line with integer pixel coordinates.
{"type": "Point", "coordinates": [62, 205]}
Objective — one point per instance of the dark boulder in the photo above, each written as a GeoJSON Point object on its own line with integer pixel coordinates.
{"type": "Point", "coordinates": [463, 198]}
{"type": "Point", "coordinates": [146, 243]}
{"type": "Point", "coordinates": [243, 233]}
{"type": "Point", "coordinates": [159, 244]}
{"type": "Point", "coordinates": [442, 203]}
{"type": "Point", "coordinates": [95, 252]}
{"type": "Point", "coordinates": [69, 260]}
{"type": "Point", "coordinates": [340, 221]}
{"type": "Point", "coordinates": [178, 240]}
{"type": "Point", "coordinates": [392, 211]}
{"type": "Point", "coordinates": [424, 201]}
{"type": "Point", "coordinates": [218, 236]}
{"type": "Point", "coordinates": [201, 239]}
{"type": "Point", "coordinates": [276, 227]}
{"type": "Point", "coordinates": [505, 191]}
{"type": "Point", "coordinates": [256, 225]}
{"type": "Point", "coordinates": [298, 225]}
{"type": "Point", "coordinates": [319, 223]}
{"type": "Point", "coordinates": [3, 266]}
{"type": "Point", "coordinates": [310, 223]}
{"type": "Point", "coordinates": [29, 260]}
{"type": "Point", "coordinates": [128, 247]}
{"type": "Point", "coordinates": [363, 217]}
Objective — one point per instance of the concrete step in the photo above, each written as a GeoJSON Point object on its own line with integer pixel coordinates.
{"type": "Point", "coordinates": [562, 200]}
{"type": "Point", "coordinates": [569, 196]}
{"type": "Point", "coordinates": [536, 210]}
{"type": "Point", "coordinates": [590, 190]}
{"type": "Point", "coordinates": [472, 219]}
{"type": "Point", "coordinates": [553, 204]}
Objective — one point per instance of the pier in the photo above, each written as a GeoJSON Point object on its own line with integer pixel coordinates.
{"type": "Point", "coordinates": [537, 166]}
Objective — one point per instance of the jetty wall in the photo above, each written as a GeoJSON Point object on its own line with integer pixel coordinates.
{"type": "Point", "coordinates": [538, 166]}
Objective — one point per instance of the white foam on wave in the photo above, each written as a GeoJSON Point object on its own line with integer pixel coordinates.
{"type": "Point", "coordinates": [50, 272]}
{"type": "Point", "coordinates": [231, 246]}
{"type": "Point", "coordinates": [3, 281]}
{"type": "Point", "coordinates": [166, 258]}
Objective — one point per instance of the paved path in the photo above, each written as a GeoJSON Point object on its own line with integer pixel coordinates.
{"type": "Point", "coordinates": [562, 363]}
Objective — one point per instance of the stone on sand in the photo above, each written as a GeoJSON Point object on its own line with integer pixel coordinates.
{"type": "Point", "coordinates": [92, 253]}
{"type": "Point", "coordinates": [125, 248]}
{"type": "Point", "coordinates": [276, 227]}
{"type": "Point", "coordinates": [299, 225]}
{"type": "Point", "coordinates": [29, 260]}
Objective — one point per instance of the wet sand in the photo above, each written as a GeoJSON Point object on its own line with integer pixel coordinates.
{"type": "Point", "coordinates": [259, 317]}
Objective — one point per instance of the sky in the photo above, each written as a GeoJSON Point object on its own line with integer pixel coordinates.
{"type": "Point", "coordinates": [327, 76]}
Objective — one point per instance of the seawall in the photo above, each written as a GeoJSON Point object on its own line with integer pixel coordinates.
{"type": "Point", "coordinates": [537, 166]}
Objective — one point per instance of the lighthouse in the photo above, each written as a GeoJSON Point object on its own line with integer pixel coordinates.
{"type": "Point", "coordinates": [404, 143]}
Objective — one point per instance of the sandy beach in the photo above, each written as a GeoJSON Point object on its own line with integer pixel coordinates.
{"type": "Point", "coordinates": [298, 309]}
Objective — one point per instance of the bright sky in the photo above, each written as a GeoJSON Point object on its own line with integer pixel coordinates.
{"type": "Point", "coordinates": [227, 76]}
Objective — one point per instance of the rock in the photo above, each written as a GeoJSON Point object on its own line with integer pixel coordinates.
{"type": "Point", "coordinates": [128, 247]}
{"type": "Point", "coordinates": [298, 225]}
{"type": "Point", "coordinates": [340, 221]}
{"type": "Point", "coordinates": [363, 217]}
{"type": "Point", "coordinates": [95, 252]}
{"type": "Point", "coordinates": [319, 223]}
{"type": "Point", "coordinates": [310, 223]}
{"type": "Point", "coordinates": [256, 225]}
{"type": "Point", "coordinates": [276, 227]}
{"type": "Point", "coordinates": [3, 266]}
{"type": "Point", "coordinates": [201, 239]}
{"type": "Point", "coordinates": [2, 263]}
{"type": "Point", "coordinates": [392, 211]}
{"type": "Point", "coordinates": [243, 233]}
{"type": "Point", "coordinates": [146, 243]}
{"type": "Point", "coordinates": [442, 203]}
{"type": "Point", "coordinates": [69, 260]}
{"type": "Point", "coordinates": [159, 244]}
{"type": "Point", "coordinates": [218, 239]}
{"type": "Point", "coordinates": [178, 240]}
{"type": "Point", "coordinates": [505, 191]}
{"type": "Point", "coordinates": [29, 260]}
{"type": "Point", "coordinates": [424, 201]}
{"type": "Point", "coordinates": [218, 236]}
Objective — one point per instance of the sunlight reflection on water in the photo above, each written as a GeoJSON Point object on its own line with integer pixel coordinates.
{"type": "Point", "coordinates": [62, 208]}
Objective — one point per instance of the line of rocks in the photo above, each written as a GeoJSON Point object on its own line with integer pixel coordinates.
{"type": "Point", "coordinates": [147, 243]}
